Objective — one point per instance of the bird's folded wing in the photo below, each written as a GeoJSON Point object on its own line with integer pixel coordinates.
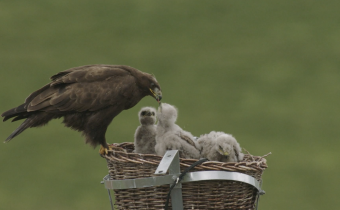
{"type": "Point", "coordinates": [81, 96]}
{"type": "Point", "coordinates": [187, 139]}
{"type": "Point", "coordinates": [89, 73]}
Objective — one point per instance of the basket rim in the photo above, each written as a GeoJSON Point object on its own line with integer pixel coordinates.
{"type": "Point", "coordinates": [119, 152]}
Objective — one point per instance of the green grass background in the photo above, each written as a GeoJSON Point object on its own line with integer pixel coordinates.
{"type": "Point", "coordinates": [265, 71]}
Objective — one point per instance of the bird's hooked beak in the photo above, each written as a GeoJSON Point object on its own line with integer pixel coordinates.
{"type": "Point", "coordinates": [157, 94]}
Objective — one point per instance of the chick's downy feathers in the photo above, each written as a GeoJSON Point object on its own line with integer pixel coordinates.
{"type": "Point", "coordinates": [219, 146]}
{"type": "Point", "coordinates": [146, 133]}
{"type": "Point", "coordinates": [172, 137]}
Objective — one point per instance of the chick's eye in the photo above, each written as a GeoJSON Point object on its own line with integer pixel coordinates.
{"type": "Point", "coordinates": [220, 147]}
{"type": "Point", "coordinates": [143, 113]}
{"type": "Point", "coordinates": [153, 114]}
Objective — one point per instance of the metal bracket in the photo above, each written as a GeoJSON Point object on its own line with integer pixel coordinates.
{"type": "Point", "coordinates": [170, 161]}
{"type": "Point", "coordinates": [189, 177]}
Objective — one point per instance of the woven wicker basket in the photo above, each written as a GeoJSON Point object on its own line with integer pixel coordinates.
{"type": "Point", "coordinates": [123, 164]}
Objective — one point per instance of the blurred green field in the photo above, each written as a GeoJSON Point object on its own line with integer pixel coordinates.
{"type": "Point", "coordinates": [266, 72]}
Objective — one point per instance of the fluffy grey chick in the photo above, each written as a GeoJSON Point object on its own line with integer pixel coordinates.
{"type": "Point", "coordinates": [145, 133]}
{"type": "Point", "coordinates": [172, 137]}
{"type": "Point", "coordinates": [219, 146]}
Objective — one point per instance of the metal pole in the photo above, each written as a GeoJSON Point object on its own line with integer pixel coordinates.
{"type": "Point", "coordinates": [176, 193]}
{"type": "Point", "coordinates": [110, 199]}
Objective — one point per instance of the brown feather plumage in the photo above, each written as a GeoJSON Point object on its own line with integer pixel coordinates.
{"type": "Point", "coordinates": [87, 97]}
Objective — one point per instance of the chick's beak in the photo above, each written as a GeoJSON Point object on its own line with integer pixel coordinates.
{"type": "Point", "coordinates": [226, 154]}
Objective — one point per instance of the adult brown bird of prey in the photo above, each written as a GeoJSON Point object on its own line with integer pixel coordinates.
{"type": "Point", "coordinates": [88, 97]}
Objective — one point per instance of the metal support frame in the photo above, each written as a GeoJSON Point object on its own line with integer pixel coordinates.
{"type": "Point", "coordinates": [170, 162]}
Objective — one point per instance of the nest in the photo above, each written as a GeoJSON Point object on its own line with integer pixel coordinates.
{"type": "Point", "coordinates": [124, 164]}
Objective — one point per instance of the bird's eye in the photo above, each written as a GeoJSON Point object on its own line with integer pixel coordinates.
{"type": "Point", "coordinates": [220, 147]}
{"type": "Point", "coordinates": [152, 84]}
{"type": "Point", "coordinates": [143, 113]}
{"type": "Point", "coordinates": [153, 114]}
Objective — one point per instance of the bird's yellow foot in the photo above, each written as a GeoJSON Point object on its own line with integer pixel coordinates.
{"type": "Point", "coordinates": [103, 150]}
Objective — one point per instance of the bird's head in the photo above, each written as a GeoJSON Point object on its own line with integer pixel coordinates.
{"type": "Point", "coordinates": [224, 145]}
{"type": "Point", "coordinates": [152, 87]}
{"type": "Point", "coordinates": [229, 148]}
{"type": "Point", "coordinates": [147, 116]}
{"type": "Point", "coordinates": [167, 113]}
{"type": "Point", "coordinates": [147, 83]}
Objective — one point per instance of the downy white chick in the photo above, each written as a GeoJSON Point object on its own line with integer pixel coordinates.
{"type": "Point", "coordinates": [172, 137]}
{"type": "Point", "coordinates": [145, 133]}
{"type": "Point", "coordinates": [219, 146]}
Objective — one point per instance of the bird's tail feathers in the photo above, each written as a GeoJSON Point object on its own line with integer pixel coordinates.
{"type": "Point", "coordinates": [14, 112]}
{"type": "Point", "coordinates": [20, 129]}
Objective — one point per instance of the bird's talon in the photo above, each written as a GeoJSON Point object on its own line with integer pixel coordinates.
{"type": "Point", "coordinates": [103, 150]}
